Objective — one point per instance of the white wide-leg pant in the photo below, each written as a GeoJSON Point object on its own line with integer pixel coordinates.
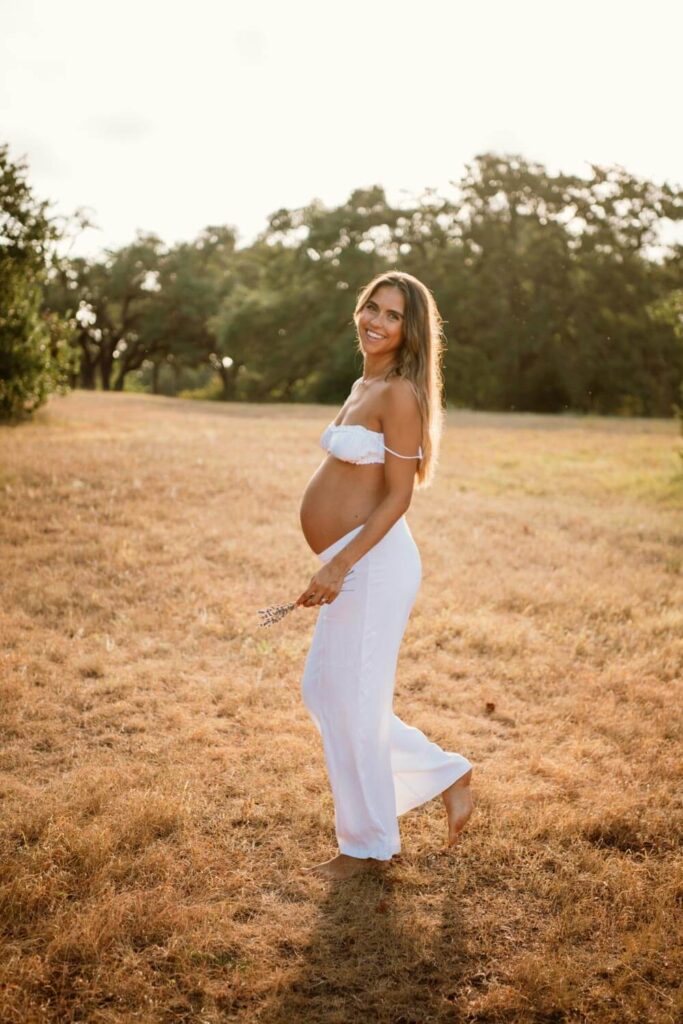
{"type": "Point", "coordinates": [378, 766]}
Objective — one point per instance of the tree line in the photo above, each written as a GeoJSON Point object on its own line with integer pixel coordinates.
{"type": "Point", "coordinates": [556, 292]}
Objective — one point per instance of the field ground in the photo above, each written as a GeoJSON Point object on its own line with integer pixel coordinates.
{"type": "Point", "coordinates": [163, 786]}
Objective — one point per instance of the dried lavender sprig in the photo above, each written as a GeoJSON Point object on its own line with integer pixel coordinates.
{"type": "Point", "coordinates": [274, 612]}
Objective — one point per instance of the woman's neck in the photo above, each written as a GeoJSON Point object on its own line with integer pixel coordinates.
{"type": "Point", "coordinates": [371, 372]}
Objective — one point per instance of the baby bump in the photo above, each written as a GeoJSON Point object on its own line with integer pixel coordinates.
{"type": "Point", "coordinates": [338, 497]}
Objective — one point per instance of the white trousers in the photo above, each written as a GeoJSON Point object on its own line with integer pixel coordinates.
{"type": "Point", "coordinates": [378, 766]}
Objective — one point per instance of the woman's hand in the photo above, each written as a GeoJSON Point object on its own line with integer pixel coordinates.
{"type": "Point", "coordinates": [324, 587]}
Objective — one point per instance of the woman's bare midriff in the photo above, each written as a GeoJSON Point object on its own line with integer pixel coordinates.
{"type": "Point", "coordinates": [339, 497]}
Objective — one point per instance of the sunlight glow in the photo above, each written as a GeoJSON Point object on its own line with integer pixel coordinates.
{"type": "Point", "coordinates": [237, 127]}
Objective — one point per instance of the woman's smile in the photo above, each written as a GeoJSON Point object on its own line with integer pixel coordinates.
{"type": "Point", "coordinates": [381, 319]}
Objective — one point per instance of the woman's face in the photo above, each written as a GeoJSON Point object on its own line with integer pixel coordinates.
{"type": "Point", "coordinates": [380, 321]}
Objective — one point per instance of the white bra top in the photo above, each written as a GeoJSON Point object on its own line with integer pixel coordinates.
{"type": "Point", "coordinates": [351, 442]}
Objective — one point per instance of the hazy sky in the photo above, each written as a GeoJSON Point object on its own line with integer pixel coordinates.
{"type": "Point", "coordinates": [170, 116]}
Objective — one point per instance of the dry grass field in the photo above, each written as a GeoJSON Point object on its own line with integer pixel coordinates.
{"type": "Point", "coordinates": [163, 786]}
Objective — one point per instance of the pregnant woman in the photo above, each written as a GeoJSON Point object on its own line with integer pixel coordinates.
{"type": "Point", "coordinates": [383, 442]}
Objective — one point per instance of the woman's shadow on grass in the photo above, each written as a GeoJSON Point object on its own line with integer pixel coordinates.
{"type": "Point", "coordinates": [374, 955]}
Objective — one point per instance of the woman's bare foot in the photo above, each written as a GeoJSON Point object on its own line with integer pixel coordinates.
{"type": "Point", "coordinates": [459, 806]}
{"type": "Point", "coordinates": [340, 867]}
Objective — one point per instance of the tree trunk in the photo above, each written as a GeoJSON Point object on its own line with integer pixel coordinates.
{"type": "Point", "coordinates": [87, 375]}
{"type": "Point", "coordinates": [228, 378]}
{"type": "Point", "coordinates": [87, 366]}
{"type": "Point", "coordinates": [105, 372]}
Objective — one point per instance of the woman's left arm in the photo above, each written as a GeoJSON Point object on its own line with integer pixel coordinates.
{"type": "Point", "coordinates": [402, 428]}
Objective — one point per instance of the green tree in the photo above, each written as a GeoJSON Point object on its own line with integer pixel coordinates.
{"type": "Point", "coordinates": [548, 306]}
{"type": "Point", "coordinates": [105, 301]}
{"type": "Point", "coordinates": [34, 356]}
{"type": "Point", "coordinates": [669, 311]}
{"type": "Point", "coordinates": [143, 305]}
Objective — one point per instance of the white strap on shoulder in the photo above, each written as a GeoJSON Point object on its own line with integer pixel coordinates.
{"type": "Point", "coordinates": [418, 456]}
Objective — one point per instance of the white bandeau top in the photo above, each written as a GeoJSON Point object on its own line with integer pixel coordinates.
{"type": "Point", "coordinates": [351, 442]}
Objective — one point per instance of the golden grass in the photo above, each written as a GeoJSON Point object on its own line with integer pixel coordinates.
{"type": "Point", "coordinates": [162, 784]}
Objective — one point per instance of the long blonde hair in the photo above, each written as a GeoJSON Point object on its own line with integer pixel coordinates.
{"type": "Point", "coordinates": [419, 358]}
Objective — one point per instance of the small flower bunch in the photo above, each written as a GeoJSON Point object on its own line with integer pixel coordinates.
{"type": "Point", "coordinates": [274, 612]}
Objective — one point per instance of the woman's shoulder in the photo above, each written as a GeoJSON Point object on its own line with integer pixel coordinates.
{"type": "Point", "coordinates": [401, 393]}
{"type": "Point", "coordinates": [401, 384]}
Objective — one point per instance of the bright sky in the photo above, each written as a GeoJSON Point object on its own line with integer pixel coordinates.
{"type": "Point", "coordinates": [169, 116]}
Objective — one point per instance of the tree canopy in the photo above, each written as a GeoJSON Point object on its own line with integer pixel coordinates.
{"type": "Point", "coordinates": [556, 292]}
{"type": "Point", "coordinates": [34, 356]}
